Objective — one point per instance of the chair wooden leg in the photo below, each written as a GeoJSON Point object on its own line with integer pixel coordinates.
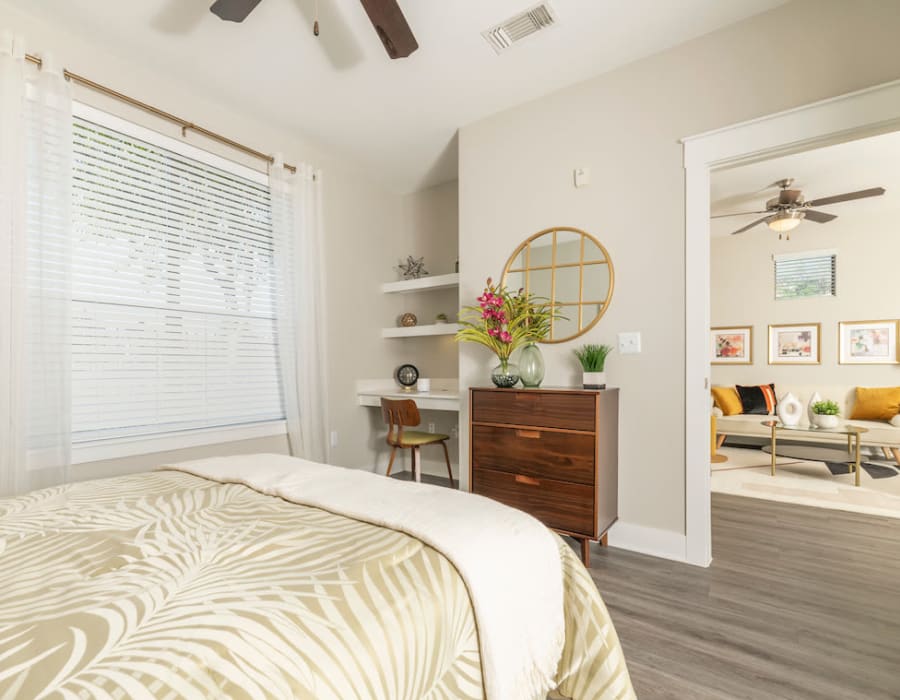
{"type": "Point", "coordinates": [720, 440]}
{"type": "Point", "coordinates": [416, 464]}
{"type": "Point", "coordinates": [391, 462]}
{"type": "Point", "coordinates": [449, 469]}
{"type": "Point", "coordinates": [887, 453]}
{"type": "Point", "coordinates": [896, 453]}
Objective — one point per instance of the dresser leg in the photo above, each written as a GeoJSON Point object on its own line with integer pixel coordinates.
{"type": "Point", "coordinates": [604, 539]}
{"type": "Point", "coordinates": [586, 551]}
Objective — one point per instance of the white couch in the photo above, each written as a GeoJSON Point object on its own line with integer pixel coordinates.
{"type": "Point", "coordinates": [881, 434]}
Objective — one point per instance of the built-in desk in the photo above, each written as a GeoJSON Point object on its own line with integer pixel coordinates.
{"type": "Point", "coordinates": [443, 396]}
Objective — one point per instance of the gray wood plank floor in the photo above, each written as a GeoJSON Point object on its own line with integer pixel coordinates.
{"type": "Point", "coordinates": [798, 603]}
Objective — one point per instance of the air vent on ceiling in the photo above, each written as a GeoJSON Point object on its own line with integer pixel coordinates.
{"type": "Point", "coordinates": [505, 34]}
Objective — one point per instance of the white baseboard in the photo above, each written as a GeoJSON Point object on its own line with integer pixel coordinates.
{"type": "Point", "coordinates": [649, 540]}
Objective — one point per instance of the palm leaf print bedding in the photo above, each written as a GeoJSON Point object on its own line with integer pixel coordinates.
{"type": "Point", "coordinates": [168, 585]}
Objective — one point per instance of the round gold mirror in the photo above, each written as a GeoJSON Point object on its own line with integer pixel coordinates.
{"type": "Point", "coordinates": [569, 267]}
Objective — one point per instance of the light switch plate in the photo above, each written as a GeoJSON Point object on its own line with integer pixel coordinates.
{"type": "Point", "coordinates": [630, 343]}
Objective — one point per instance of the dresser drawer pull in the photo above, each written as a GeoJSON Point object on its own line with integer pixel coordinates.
{"type": "Point", "coordinates": [522, 479]}
{"type": "Point", "coordinates": [530, 434]}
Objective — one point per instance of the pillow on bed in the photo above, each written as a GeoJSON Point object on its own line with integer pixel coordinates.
{"type": "Point", "coordinates": [727, 400]}
{"type": "Point", "coordinates": [876, 403]}
{"type": "Point", "coordinates": [758, 400]}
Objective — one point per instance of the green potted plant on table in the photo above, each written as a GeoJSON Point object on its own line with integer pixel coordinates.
{"type": "Point", "coordinates": [593, 361]}
{"type": "Point", "coordinates": [502, 322]}
{"type": "Point", "coordinates": [825, 414]}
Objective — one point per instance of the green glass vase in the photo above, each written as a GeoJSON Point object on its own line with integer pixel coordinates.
{"type": "Point", "coordinates": [531, 366]}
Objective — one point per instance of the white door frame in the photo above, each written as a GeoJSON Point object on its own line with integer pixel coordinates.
{"type": "Point", "coordinates": [845, 118]}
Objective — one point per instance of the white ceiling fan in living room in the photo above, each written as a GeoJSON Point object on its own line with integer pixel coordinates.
{"type": "Point", "coordinates": [785, 212]}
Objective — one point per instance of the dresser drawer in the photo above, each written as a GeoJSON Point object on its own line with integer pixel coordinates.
{"type": "Point", "coordinates": [557, 504]}
{"type": "Point", "coordinates": [534, 452]}
{"type": "Point", "coordinates": [574, 411]}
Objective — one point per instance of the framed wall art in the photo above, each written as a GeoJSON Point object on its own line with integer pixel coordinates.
{"type": "Point", "coordinates": [795, 344]}
{"type": "Point", "coordinates": [868, 342]}
{"type": "Point", "coordinates": [731, 345]}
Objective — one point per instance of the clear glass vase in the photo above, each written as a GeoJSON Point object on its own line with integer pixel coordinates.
{"type": "Point", "coordinates": [505, 375]}
{"type": "Point", "coordinates": [531, 366]}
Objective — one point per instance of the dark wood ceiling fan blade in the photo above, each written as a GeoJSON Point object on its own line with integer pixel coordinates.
{"type": "Point", "coordinates": [391, 27]}
{"type": "Point", "coordinates": [233, 10]}
{"type": "Point", "coordinates": [738, 213]}
{"type": "Point", "coordinates": [765, 219]}
{"type": "Point", "coordinates": [820, 217]}
{"type": "Point", "coordinates": [861, 194]}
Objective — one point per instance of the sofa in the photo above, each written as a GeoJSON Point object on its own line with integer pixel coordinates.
{"type": "Point", "coordinates": [883, 435]}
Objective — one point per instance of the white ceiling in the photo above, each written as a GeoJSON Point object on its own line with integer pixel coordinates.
{"type": "Point", "coordinates": [398, 118]}
{"type": "Point", "coordinates": [846, 167]}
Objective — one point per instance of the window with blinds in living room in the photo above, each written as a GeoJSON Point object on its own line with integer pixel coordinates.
{"type": "Point", "coordinates": [809, 274]}
{"type": "Point", "coordinates": [173, 318]}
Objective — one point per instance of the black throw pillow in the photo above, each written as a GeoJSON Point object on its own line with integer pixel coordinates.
{"type": "Point", "coordinates": [759, 400]}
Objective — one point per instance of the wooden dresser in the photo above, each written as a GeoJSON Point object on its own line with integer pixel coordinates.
{"type": "Point", "coordinates": [550, 452]}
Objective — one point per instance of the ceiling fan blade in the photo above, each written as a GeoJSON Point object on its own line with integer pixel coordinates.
{"type": "Point", "coordinates": [861, 194]}
{"type": "Point", "coordinates": [820, 217]}
{"type": "Point", "coordinates": [738, 213]}
{"type": "Point", "coordinates": [765, 219]}
{"type": "Point", "coordinates": [391, 27]}
{"type": "Point", "coordinates": [233, 10]}
{"type": "Point", "coordinates": [789, 196]}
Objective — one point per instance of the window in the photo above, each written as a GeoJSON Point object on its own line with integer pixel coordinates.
{"type": "Point", "coordinates": [810, 274]}
{"type": "Point", "coordinates": [173, 288]}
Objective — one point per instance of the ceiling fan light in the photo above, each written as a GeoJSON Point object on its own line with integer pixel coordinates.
{"type": "Point", "coordinates": [786, 221]}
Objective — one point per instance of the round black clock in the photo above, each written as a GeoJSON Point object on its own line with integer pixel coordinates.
{"type": "Point", "coordinates": [407, 375]}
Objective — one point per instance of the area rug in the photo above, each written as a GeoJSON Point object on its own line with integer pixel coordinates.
{"type": "Point", "coordinates": [810, 483]}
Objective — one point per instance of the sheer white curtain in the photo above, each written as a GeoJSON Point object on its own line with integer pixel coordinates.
{"type": "Point", "coordinates": [35, 248]}
{"type": "Point", "coordinates": [299, 262]}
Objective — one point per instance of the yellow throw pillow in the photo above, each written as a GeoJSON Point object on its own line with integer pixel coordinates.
{"type": "Point", "coordinates": [727, 399]}
{"type": "Point", "coordinates": [876, 403]}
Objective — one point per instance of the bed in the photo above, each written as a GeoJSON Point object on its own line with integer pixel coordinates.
{"type": "Point", "coordinates": [204, 582]}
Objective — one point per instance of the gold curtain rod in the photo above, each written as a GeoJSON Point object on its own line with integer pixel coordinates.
{"type": "Point", "coordinates": [162, 114]}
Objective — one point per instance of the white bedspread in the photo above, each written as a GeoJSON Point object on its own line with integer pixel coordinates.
{"type": "Point", "coordinates": [509, 561]}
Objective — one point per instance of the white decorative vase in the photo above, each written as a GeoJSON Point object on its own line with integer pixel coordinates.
{"type": "Point", "coordinates": [789, 410]}
{"type": "Point", "coordinates": [813, 400]}
{"type": "Point", "coordinates": [823, 421]}
{"type": "Point", "coordinates": [594, 380]}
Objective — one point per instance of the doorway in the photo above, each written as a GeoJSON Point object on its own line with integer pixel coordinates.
{"type": "Point", "coordinates": [846, 118]}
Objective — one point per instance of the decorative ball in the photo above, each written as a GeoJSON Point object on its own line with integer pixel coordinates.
{"type": "Point", "coordinates": [408, 320]}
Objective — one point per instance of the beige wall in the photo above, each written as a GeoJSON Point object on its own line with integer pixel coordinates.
{"type": "Point", "coordinates": [516, 178]}
{"type": "Point", "coordinates": [367, 229]}
{"type": "Point", "coordinates": [742, 291]}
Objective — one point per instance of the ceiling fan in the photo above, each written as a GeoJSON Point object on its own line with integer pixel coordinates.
{"type": "Point", "coordinates": [385, 15]}
{"type": "Point", "coordinates": [785, 212]}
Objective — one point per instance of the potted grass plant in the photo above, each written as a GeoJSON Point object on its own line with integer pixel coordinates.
{"type": "Point", "coordinates": [593, 362]}
{"type": "Point", "coordinates": [825, 414]}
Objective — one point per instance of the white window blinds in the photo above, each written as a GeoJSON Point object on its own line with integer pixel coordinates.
{"type": "Point", "coordinates": [173, 289]}
{"type": "Point", "coordinates": [812, 274]}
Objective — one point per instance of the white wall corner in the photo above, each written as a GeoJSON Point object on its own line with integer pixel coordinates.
{"type": "Point", "coordinates": [665, 544]}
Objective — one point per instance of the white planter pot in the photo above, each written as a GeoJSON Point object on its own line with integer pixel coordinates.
{"type": "Point", "coordinates": [822, 421]}
{"type": "Point", "coordinates": [594, 380]}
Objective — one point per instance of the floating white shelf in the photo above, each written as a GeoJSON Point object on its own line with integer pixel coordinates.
{"type": "Point", "coordinates": [444, 394]}
{"type": "Point", "coordinates": [422, 284]}
{"type": "Point", "coordinates": [413, 331]}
